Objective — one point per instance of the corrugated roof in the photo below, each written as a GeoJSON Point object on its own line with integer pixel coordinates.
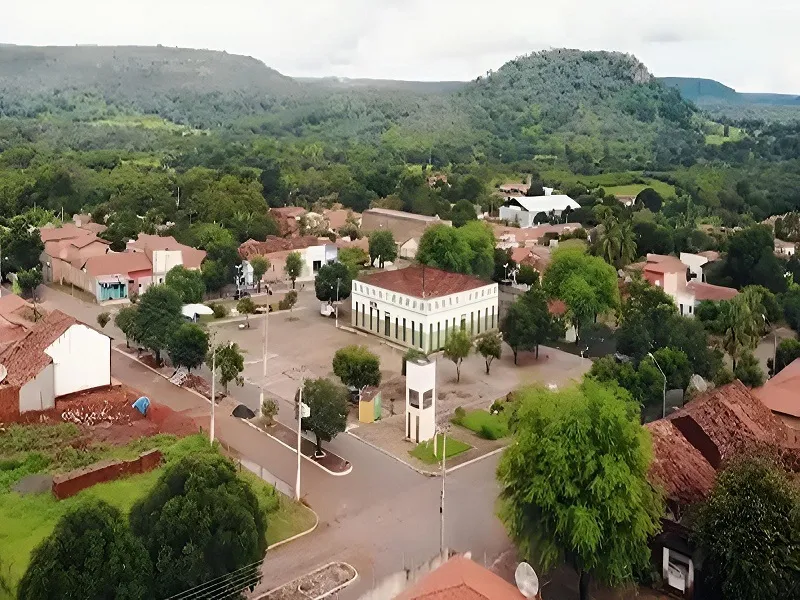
{"type": "Point", "coordinates": [461, 579]}
{"type": "Point", "coordinates": [781, 394]}
{"type": "Point", "coordinates": [26, 358]}
{"type": "Point", "coordinates": [66, 231]}
{"type": "Point", "coordinates": [275, 244]}
{"type": "Point", "coordinates": [661, 263]}
{"type": "Point", "coordinates": [437, 283]}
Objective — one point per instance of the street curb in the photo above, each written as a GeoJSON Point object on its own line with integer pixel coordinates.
{"type": "Point", "coordinates": [302, 533]}
{"type": "Point", "coordinates": [477, 459]}
{"type": "Point", "coordinates": [326, 594]}
{"type": "Point", "coordinates": [133, 358]}
{"type": "Point", "coordinates": [400, 460]}
{"type": "Point", "coordinates": [287, 446]}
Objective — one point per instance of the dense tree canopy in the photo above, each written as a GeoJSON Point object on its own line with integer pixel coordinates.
{"type": "Point", "coordinates": [90, 554]}
{"type": "Point", "coordinates": [556, 500]}
{"type": "Point", "coordinates": [199, 522]}
{"type": "Point", "coordinates": [158, 316]}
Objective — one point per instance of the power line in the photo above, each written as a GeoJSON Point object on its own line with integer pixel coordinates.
{"type": "Point", "coordinates": [208, 583]}
{"type": "Point", "coordinates": [225, 588]}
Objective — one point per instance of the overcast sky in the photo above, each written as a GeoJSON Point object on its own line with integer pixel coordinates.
{"type": "Point", "coordinates": [747, 44]}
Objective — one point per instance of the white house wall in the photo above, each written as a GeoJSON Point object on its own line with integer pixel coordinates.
{"type": "Point", "coordinates": [322, 254]}
{"type": "Point", "coordinates": [82, 359]}
{"type": "Point", "coordinates": [38, 393]}
{"type": "Point", "coordinates": [433, 319]}
{"type": "Point", "coordinates": [163, 261]}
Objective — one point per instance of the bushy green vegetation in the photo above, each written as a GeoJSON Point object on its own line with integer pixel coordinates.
{"type": "Point", "coordinates": [26, 520]}
{"type": "Point", "coordinates": [486, 425]}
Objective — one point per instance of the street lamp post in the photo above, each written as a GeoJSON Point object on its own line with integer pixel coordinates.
{"type": "Point", "coordinates": [443, 431]}
{"type": "Point", "coordinates": [664, 392]}
{"type": "Point", "coordinates": [302, 411]}
{"type": "Point", "coordinates": [336, 306]}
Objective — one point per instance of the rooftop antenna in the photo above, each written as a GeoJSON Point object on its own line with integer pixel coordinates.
{"type": "Point", "coordinates": [527, 580]}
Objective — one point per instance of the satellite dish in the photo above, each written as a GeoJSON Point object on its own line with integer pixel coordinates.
{"type": "Point", "coordinates": [3, 373]}
{"type": "Point", "coordinates": [527, 581]}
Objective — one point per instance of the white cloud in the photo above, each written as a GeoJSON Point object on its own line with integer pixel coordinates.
{"type": "Point", "coordinates": [747, 47]}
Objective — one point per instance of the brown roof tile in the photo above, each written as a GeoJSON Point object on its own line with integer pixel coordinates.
{"type": "Point", "coordinates": [437, 283]}
{"type": "Point", "coordinates": [781, 394]}
{"type": "Point", "coordinates": [66, 231]}
{"type": "Point", "coordinates": [693, 441]}
{"type": "Point", "coordinates": [26, 358]}
{"type": "Point", "coordinates": [274, 243]}
{"type": "Point", "coordinates": [461, 579]}
{"type": "Point", "coordinates": [117, 263]}
{"type": "Point", "coordinates": [706, 291]}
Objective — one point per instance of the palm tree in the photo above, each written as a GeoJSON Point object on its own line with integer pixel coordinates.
{"type": "Point", "coordinates": [627, 244]}
{"type": "Point", "coordinates": [743, 323]}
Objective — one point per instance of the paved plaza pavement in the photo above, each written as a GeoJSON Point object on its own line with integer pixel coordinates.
{"type": "Point", "coordinates": [383, 516]}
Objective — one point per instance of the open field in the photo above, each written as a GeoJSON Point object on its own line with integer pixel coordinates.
{"type": "Point", "coordinates": [25, 520]}
{"type": "Point", "coordinates": [623, 183]}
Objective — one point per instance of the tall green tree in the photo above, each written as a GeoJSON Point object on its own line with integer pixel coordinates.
{"type": "Point", "coordinates": [90, 554]}
{"type": "Point", "coordinates": [333, 282]}
{"type": "Point", "coordinates": [558, 503]}
{"type": "Point", "coordinates": [462, 213]}
{"type": "Point", "coordinates": [22, 246]}
{"type": "Point", "coordinates": [187, 283]}
{"type": "Point", "coordinates": [200, 522]}
{"type": "Point", "coordinates": [293, 266]}
{"type": "Point", "coordinates": [328, 403]}
{"type": "Point", "coordinates": [158, 316]}
{"type": "Point", "coordinates": [382, 247]}
{"type": "Point", "coordinates": [787, 352]}
{"type": "Point", "coordinates": [489, 346]}
{"type": "Point", "coordinates": [586, 284]}
{"type": "Point", "coordinates": [229, 364]}
{"type": "Point", "coordinates": [188, 346]}
{"type": "Point", "coordinates": [457, 347]}
{"type": "Point", "coordinates": [529, 323]}
{"type": "Point", "coordinates": [245, 306]}
{"type": "Point", "coordinates": [357, 366]}
{"type": "Point", "coordinates": [757, 556]}
{"type": "Point", "coordinates": [445, 248]}
{"type": "Point", "coordinates": [29, 281]}
{"type": "Point", "coordinates": [125, 319]}
{"type": "Point", "coordinates": [749, 371]}
{"type": "Point", "coordinates": [742, 321]}
{"type": "Point", "coordinates": [260, 266]}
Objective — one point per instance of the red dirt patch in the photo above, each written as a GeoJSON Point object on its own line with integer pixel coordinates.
{"type": "Point", "coordinates": [201, 386]}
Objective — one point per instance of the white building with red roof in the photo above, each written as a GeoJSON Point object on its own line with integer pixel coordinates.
{"type": "Point", "coordinates": [420, 306]}
{"type": "Point", "coordinates": [683, 280]}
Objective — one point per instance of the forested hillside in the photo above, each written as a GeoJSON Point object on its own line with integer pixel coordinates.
{"type": "Point", "coordinates": [599, 107]}
{"type": "Point", "coordinates": [195, 87]}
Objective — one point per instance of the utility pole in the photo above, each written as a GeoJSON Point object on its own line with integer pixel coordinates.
{"type": "Point", "coordinates": [338, 280]}
{"type": "Point", "coordinates": [213, 390]}
{"type": "Point", "coordinates": [664, 393]}
{"type": "Point", "coordinates": [299, 437]}
{"type": "Point", "coordinates": [264, 362]}
{"type": "Point", "coordinates": [441, 501]}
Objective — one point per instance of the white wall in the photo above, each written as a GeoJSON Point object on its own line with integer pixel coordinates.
{"type": "Point", "coordinates": [163, 261]}
{"type": "Point", "coordinates": [421, 378]}
{"type": "Point", "coordinates": [324, 254]}
{"type": "Point", "coordinates": [695, 263]}
{"type": "Point", "coordinates": [38, 393]}
{"type": "Point", "coordinates": [511, 214]}
{"type": "Point", "coordinates": [82, 359]}
{"type": "Point", "coordinates": [433, 312]}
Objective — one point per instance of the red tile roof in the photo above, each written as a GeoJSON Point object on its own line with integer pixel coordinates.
{"type": "Point", "coordinates": [338, 217]}
{"type": "Point", "coordinates": [192, 257]}
{"type": "Point", "coordinates": [66, 231]}
{"type": "Point", "coordinates": [117, 263]}
{"type": "Point", "coordinates": [461, 579]}
{"type": "Point", "coordinates": [288, 211]}
{"type": "Point", "coordinates": [711, 255]}
{"type": "Point", "coordinates": [693, 441]}
{"type": "Point", "coordinates": [557, 308]}
{"type": "Point", "coordinates": [409, 281]}
{"type": "Point", "coordinates": [26, 358]}
{"type": "Point", "coordinates": [706, 291]}
{"type": "Point", "coordinates": [274, 244]}
{"type": "Point", "coordinates": [660, 263]}
{"type": "Point", "coordinates": [781, 394]}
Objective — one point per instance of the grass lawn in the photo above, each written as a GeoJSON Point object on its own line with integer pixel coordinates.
{"type": "Point", "coordinates": [480, 421]}
{"type": "Point", "coordinates": [633, 189]}
{"type": "Point", "coordinates": [26, 520]}
{"type": "Point", "coordinates": [424, 450]}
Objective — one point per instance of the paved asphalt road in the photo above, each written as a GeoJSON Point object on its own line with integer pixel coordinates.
{"type": "Point", "coordinates": [380, 518]}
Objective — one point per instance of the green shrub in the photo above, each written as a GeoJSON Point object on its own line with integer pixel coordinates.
{"type": "Point", "coordinates": [459, 415]}
{"type": "Point", "coordinates": [497, 407]}
{"type": "Point", "coordinates": [491, 430]}
{"type": "Point", "coordinates": [14, 469]}
{"type": "Point", "coordinates": [220, 310]}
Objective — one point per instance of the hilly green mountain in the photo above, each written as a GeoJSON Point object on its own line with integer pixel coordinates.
{"type": "Point", "coordinates": [598, 108]}
{"type": "Point", "coordinates": [707, 91]}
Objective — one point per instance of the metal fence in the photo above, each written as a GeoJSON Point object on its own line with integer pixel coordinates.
{"type": "Point", "coordinates": [279, 484]}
